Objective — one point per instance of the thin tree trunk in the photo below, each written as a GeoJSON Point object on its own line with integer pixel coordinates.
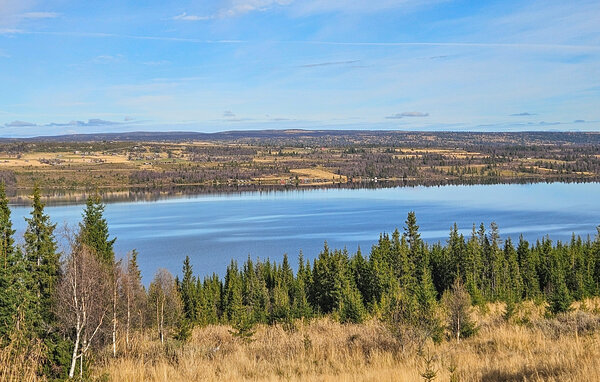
{"type": "Point", "coordinates": [458, 329]}
{"type": "Point", "coordinates": [162, 321]}
{"type": "Point", "coordinates": [114, 330]}
{"type": "Point", "coordinates": [158, 316]}
{"type": "Point", "coordinates": [75, 348]}
{"type": "Point", "coordinates": [128, 317]}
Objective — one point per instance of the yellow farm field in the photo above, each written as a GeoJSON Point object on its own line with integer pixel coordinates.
{"type": "Point", "coordinates": [36, 159]}
{"type": "Point", "coordinates": [318, 173]}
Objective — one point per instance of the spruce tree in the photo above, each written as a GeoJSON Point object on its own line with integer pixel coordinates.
{"type": "Point", "coordinates": [352, 308]}
{"type": "Point", "coordinates": [497, 263]}
{"type": "Point", "coordinates": [94, 231]}
{"type": "Point", "coordinates": [513, 280]}
{"type": "Point", "coordinates": [528, 268]}
{"type": "Point", "coordinates": [42, 261]}
{"type": "Point", "coordinates": [11, 261]}
{"type": "Point", "coordinates": [233, 305]}
{"type": "Point", "coordinates": [42, 272]}
{"type": "Point", "coordinates": [474, 269]}
{"type": "Point", "coordinates": [426, 297]}
{"type": "Point", "coordinates": [413, 237]}
{"type": "Point", "coordinates": [188, 292]}
{"type": "Point", "coordinates": [559, 298]}
{"type": "Point", "coordinates": [212, 292]}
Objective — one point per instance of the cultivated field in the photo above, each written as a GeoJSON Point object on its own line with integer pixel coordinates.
{"type": "Point", "coordinates": [272, 159]}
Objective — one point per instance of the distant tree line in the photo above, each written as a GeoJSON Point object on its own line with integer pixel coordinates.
{"type": "Point", "coordinates": [64, 309]}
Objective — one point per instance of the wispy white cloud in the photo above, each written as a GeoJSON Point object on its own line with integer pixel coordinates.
{"type": "Point", "coordinates": [156, 63]}
{"type": "Point", "coordinates": [185, 17]}
{"type": "Point", "coordinates": [90, 122]}
{"type": "Point", "coordinates": [409, 114]}
{"type": "Point", "coordinates": [108, 59]}
{"type": "Point", "coordinates": [13, 13]}
{"type": "Point", "coordinates": [38, 15]}
{"type": "Point", "coordinates": [516, 45]}
{"type": "Point", "coordinates": [525, 114]}
{"type": "Point", "coordinates": [329, 63]}
{"type": "Point", "coordinates": [10, 31]}
{"type": "Point", "coordinates": [239, 7]}
{"type": "Point", "coordinates": [357, 6]}
{"type": "Point", "coordinates": [20, 124]}
{"type": "Point", "coordinates": [234, 8]}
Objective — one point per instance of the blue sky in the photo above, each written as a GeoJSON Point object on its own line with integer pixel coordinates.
{"type": "Point", "coordinates": [89, 66]}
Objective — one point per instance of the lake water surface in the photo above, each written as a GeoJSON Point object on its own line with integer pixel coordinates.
{"type": "Point", "coordinates": [213, 229]}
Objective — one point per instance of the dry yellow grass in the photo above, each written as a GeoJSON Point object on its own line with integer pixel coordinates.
{"type": "Point", "coordinates": [317, 172]}
{"type": "Point", "coordinates": [528, 348]}
{"type": "Point", "coordinates": [35, 159]}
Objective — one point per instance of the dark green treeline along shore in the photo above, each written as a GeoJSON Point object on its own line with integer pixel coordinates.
{"type": "Point", "coordinates": [61, 312]}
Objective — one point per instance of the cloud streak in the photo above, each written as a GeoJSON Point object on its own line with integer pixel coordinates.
{"type": "Point", "coordinates": [90, 122]}
{"type": "Point", "coordinates": [38, 15]}
{"type": "Point", "coordinates": [331, 63]}
{"type": "Point", "coordinates": [514, 45]}
{"type": "Point", "coordinates": [19, 124]}
{"type": "Point", "coordinates": [185, 17]}
{"type": "Point", "coordinates": [525, 114]}
{"type": "Point", "coordinates": [408, 114]}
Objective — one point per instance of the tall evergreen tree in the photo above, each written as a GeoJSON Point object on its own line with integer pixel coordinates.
{"type": "Point", "coordinates": [528, 267]}
{"type": "Point", "coordinates": [426, 297]}
{"type": "Point", "coordinates": [94, 230]}
{"type": "Point", "coordinates": [512, 280]}
{"type": "Point", "coordinates": [301, 307]}
{"type": "Point", "coordinates": [559, 297]}
{"type": "Point", "coordinates": [498, 264]}
{"type": "Point", "coordinates": [188, 292]}
{"type": "Point", "coordinates": [42, 261]}
{"type": "Point", "coordinates": [11, 264]}
{"type": "Point", "coordinates": [233, 304]}
{"type": "Point", "coordinates": [413, 237]}
{"type": "Point", "coordinates": [474, 268]}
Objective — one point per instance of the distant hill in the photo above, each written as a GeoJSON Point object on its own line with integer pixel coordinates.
{"type": "Point", "coordinates": [344, 137]}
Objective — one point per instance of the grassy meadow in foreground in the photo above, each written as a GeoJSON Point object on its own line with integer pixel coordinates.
{"type": "Point", "coordinates": [528, 347]}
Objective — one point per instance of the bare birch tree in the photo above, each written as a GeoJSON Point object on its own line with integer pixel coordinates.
{"type": "Point", "coordinates": [83, 301]}
{"type": "Point", "coordinates": [165, 302]}
{"type": "Point", "coordinates": [133, 297]}
{"type": "Point", "coordinates": [116, 283]}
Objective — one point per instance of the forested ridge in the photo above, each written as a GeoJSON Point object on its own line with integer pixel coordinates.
{"type": "Point", "coordinates": [59, 312]}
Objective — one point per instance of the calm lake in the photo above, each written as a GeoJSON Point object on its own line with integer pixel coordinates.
{"type": "Point", "coordinates": [213, 229]}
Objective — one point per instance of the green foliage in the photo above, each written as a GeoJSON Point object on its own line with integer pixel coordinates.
{"type": "Point", "coordinates": [560, 299]}
{"type": "Point", "coordinates": [329, 278]}
{"type": "Point", "coordinates": [233, 303]}
{"type": "Point", "coordinates": [352, 308]}
{"type": "Point", "coordinates": [184, 330]}
{"type": "Point", "coordinates": [458, 302]}
{"type": "Point", "coordinates": [429, 372]}
{"type": "Point", "coordinates": [10, 263]}
{"type": "Point", "coordinates": [94, 231]}
{"type": "Point", "coordinates": [189, 294]}
{"type": "Point", "coordinates": [243, 328]}
{"type": "Point", "coordinates": [42, 261]}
